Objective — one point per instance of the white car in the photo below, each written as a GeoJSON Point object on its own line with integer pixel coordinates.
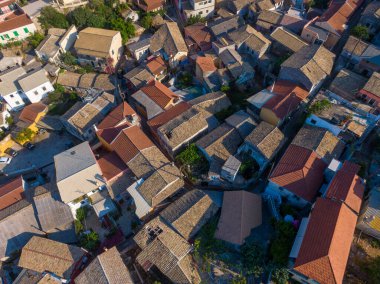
{"type": "Point", "coordinates": [5, 160]}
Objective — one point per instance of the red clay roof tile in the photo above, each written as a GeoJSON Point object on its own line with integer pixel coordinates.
{"type": "Point", "coordinates": [159, 93]}
{"type": "Point", "coordinates": [11, 193]}
{"type": "Point", "coordinates": [30, 112]}
{"type": "Point", "coordinates": [111, 165]}
{"type": "Point", "coordinates": [116, 116]}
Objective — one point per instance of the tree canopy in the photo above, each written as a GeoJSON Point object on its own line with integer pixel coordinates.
{"type": "Point", "coordinates": [361, 32]}
{"type": "Point", "coordinates": [51, 18]}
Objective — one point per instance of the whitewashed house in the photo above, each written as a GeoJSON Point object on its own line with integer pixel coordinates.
{"type": "Point", "coordinates": [36, 85]}
{"type": "Point", "coordinates": [10, 91]}
{"type": "Point", "coordinates": [203, 8]}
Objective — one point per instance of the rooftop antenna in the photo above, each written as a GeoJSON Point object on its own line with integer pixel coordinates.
{"type": "Point", "coordinates": [271, 89]}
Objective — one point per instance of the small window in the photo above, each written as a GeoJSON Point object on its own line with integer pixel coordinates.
{"type": "Point", "coordinates": [12, 96]}
{"type": "Point", "coordinates": [16, 33]}
{"type": "Point", "coordinates": [44, 88]}
{"type": "Point", "coordinates": [2, 38]}
{"type": "Point", "coordinates": [26, 30]}
{"type": "Point", "coordinates": [206, 11]}
{"type": "Point", "coordinates": [17, 102]}
{"type": "Point", "coordinates": [7, 36]}
{"type": "Point", "coordinates": [36, 93]}
{"type": "Point", "coordinates": [313, 121]}
{"type": "Point", "coordinates": [201, 12]}
{"type": "Point", "coordinates": [113, 52]}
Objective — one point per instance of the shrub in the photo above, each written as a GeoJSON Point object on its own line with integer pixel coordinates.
{"type": "Point", "coordinates": [51, 18]}
{"type": "Point", "coordinates": [225, 88]}
{"type": "Point", "coordinates": [319, 106]}
{"type": "Point", "coordinates": [90, 241]}
{"type": "Point", "coordinates": [146, 21]}
{"type": "Point", "coordinates": [35, 39]}
{"type": "Point", "coordinates": [361, 32]}
{"type": "Point", "coordinates": [78, 226]}
{"type": "Point", "coordinates": [24, 135]}
{"type": "Point", "coordinates": [195, 19]}
{"type": "Point", "coordinates": [68, 59]}
{"type": "Point", "coordinates": [282, 243]}
{"type": "Point", "coordinates": [190, 156]}
{"type": "Point", "coordinates": [81, 213]}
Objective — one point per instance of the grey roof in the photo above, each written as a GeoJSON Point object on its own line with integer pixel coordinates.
{"type": "Point", "coordinates": [232, 165]}
{"type": "Point", "coordinates": [139, 76]}
{"type": "Point", "coordinates": [9, 78]}
{"type": "Point", "coordinates": [226, 25]}
{"type": "Point", "coordinates": [106, 268]}
{"type": "Point", "coordinates": [73, 160]}
{"type": "Point", "coordinates": [152, 108]}
{"type": "Point", "coordinates": [139, 44]}
{"type": "Point", "coordinates": [49, 45]}
{"type": "Point", "coordinates": [33, 80]}
{"type": "Point", "coordinates": [33, 9]}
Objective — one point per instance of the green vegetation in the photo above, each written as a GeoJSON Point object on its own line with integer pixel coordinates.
{"type": "Point", "coordinates": [24, 135]}
{"type": "Point", "coordinates": [68, 59]}
{"type": "Point", "coordinates": [83, 17]}
{"type": "Point", "coordinates": [248, 167]}
{"type": "Point", "coordinates": [190, 156]}
{"type": "Point", "coordinates": [51, 18]}
{"type": "Point", "coordinates": [225, 88]}
{"type": "Point", "coordinates": [81, 213]}
{"type": "Point", "coordinates": [319, 106]}
{"type": "Point", "coordinates": [360, 32]}
{"type": "Point", "coordinates": [282, 242]}
{"type": "Point", "coordinates": [89, 241]}
{"type": "Point", "coordinates": [147, 21]}
{"type": "Point", "coordinates": [35, 39]}
{"type": "Point", "coordinates": [278, 62]}
{"type": "Point", "coordinates": [61, 100]}
{"type": "Point", "coordinates": [320, 4]}
{"type": "Point", "coordinates": [9, 120]}
{"type": "Point", "coordinates": [253, 258]}
{"type": "Point", "coordinates": [224, 113]}
{"type": "Point", "coordinates": [280, 275]}
{"type": "Point", "coordinates": [192, 162]}
{"type": "Point", "coordinates": [184, 80]}
{"type": "Point", "coordinates": [195, 19]}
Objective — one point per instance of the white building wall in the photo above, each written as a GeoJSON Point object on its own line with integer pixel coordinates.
{"type": "Point", "coordinates": [67, 42]}
{"type": "Point", "coordinates": [37, 94]}
{"type": "Point", "coordinates": [14, 100]}
{"type": "Point", "coordinates": [204, 8]}
{"type": "Point", "coordinates": [291, 198]}
{"type": "Point", "coordinates": [319, 122]}
{"type": "Point", "coordinates": [17, 34]}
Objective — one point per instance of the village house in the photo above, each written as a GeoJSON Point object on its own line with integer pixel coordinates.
{"type": "Point", "coordinates": [121, 114]}
{"type": "Point", "coordinates": [81, 118]}
{"type": "Point", "coordinates": [262, 144]}
{"type": "Point", "coordinates": [158, 244]}
{"type": "Point", "coordinates": [285, 42]}
{"type": "Point", "coordinates": [150, 5]}
{"type": "Point", "coordinates": [157, 67]}
{"type": "Point", "coordinates": [168, 40]}
{"type": "Point", "coordinates": [369, 216]}
{"type": "Point", "coordinates": [194, 122]}
{"type": "Point", "coordinates": [30, 116]}
{"type": "Point", "coordinates": [224, 26]}
{"type": "Point", "coordinates": [298, 176]}
{"type": "Point", "coordinates": [361, 56]}
{"type": "Point", "coordinates": [278, 102]}
{"type": "Point", "coordinates": [198, 38]}
{"type": "Point", "coordinates": [35, 85]}
{"type": "Point", "coordinates": [347, 84]}
{"type": "Point", "coordinates": [153, 99]}
{"type": "Point", "coordinates": [156, 177]}
{"type": "Point", "coordinates": [137, 78]}
{"type": "Point", "coordinates": [35, 212]}
{"type": "Point", "coordinates": [15, 25]}
{"type": "Point", "coordinates": [329, 27]}
{"type": "Point", "coordinates": [339, 117]}
{"type": "Point", "coordinates": [223, 142]}
{"type": "Point", "coordinates": [84, 82]}
{"type": "Point", "coordinates": [205, 71]}
{"type": "Point", "coordinates": [189, 213]}
{"type": "Point", "coordinates": [140, 48]}
{"type": "Point", "coordinates": [370, 17]}
{"type": "Point", "coordinates": [10, 91]}
{"type": "Point", "coordinates": [320, 140]}
{"type": "Point", "coordinates": [241, 212]}
{"type": "Point", "coordinates": [193, 8]}
{"type": "Point", "coordinates": [4, 115]}
{"type": "Point", "coordinates": [66, 4]}
{"type": "Point", "coordinates": [309, 67]}
{"type": "Point", "coordinates": [339, 209]}
{"type": "Point", "coordinates": [238, 7]}
{"type": "Point", "coordinates": [248, 40]}
{"type": "Point", "coordinates": [107, 268]}
{"type": "Point", "coordinates": [57, 42]}
{"type": "Point", "coordinates": [268, 21]}
{"type": "Point", "coordinates": [78, 174]}
{"type": "Point", "coordinates": [43, 255]}
{"type": "Point", "coordinates": [370, 93]}
{"type": "Point", "coordinates": [99, 47]}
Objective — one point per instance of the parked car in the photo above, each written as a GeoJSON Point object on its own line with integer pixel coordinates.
{"type": "Point", "coordinates": [5, 160]}
{"type": "Point", "coordinates": [11, 152]}
{"type": "Point", "coordinates": [29, 146]}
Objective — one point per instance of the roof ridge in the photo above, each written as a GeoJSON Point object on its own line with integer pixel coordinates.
{"type": "Point", "coordinates": [48, 254]}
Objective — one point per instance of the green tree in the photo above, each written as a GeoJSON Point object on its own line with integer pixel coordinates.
{"type": "Point", "coordinates": [9, 120]}
{"type": "Point", "coordinates": [146, 21]}
{"type": "Point", "coordinates": [51, 18]}
{"type": "Point", "coordinates": [195, 19]}
{"type": "Point", "coordinates": [319, 106]}
{"type": "Point", "coordinates": [24, 135]}
{"type": "Point", "coordinates": [282, 242]}
{"type": "Point", "coordinates": [83, 17]}
{"type": "Point", "coordinates": [225, 88]}
{"type": "Point", "coordinates": [361, 32]}
{"type": "Point", "coordinates": [90, 241]}
{"type": "Point", "coordinates": [280, 275]}
{"type": "Point", "coordinates": [372, 268]}
{"type": "Point", "coordinates": [126, 28]}
{"type": "Point", "coordinates": [35, 39]}
{"type": "Point", "coordinates": [253, 259]}
{"type": "Point", "coordinates": [190, 156]}
{"type": "Point", "coordinates": [68, 58]}
{"type": "Point", "coordinates": [81, 214]}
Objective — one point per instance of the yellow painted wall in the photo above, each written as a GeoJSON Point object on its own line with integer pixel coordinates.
{"type": "Point", "coordinates": [268, 116]}
{"type": "Point", "coordinates": [7, 142]}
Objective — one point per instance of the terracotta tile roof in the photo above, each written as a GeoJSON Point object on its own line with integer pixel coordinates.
{"type": "Point", "coordinates": [30, 112]}
{"type": "Point", "coordinates": [288, 97]}
{"type": "Point", "coordinates": [199, 33]}
{"type": "Point", "coordinates": [347, 186]}
{"type": "Point", "coordinates": [241, 212]}
{"type": "Point", "coordinates": [11, 192]}
{"type": "Point", "coordinates": [129, 142]}
{"type": "Point", "coordinates": [326, 245]}
{"type": "Point", "coordinates": [167, 116]}
{"type": "Point", "coordinates": [111, 165]}
{"type": "Point", "coordinates": [116, 116]}
{"type": "Point", "coordinates": [206, 64]}
{"type": "Point", "coordinates": [41, 255]}
{"type": "Point", "coordinates": [159, 93]}
{"type": "Point", "coordinates": [300, 171]}
{"type": "Point", "coordinates": [156, 65]}
{"type": "Point", "coordinates": [15, 21]}
{"type": "Point", "coordinates": [339, 12]}
{"type": "Point", "coordinates": [109, 134]}
{"type": "Point", "coordinates": [150, 5]}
